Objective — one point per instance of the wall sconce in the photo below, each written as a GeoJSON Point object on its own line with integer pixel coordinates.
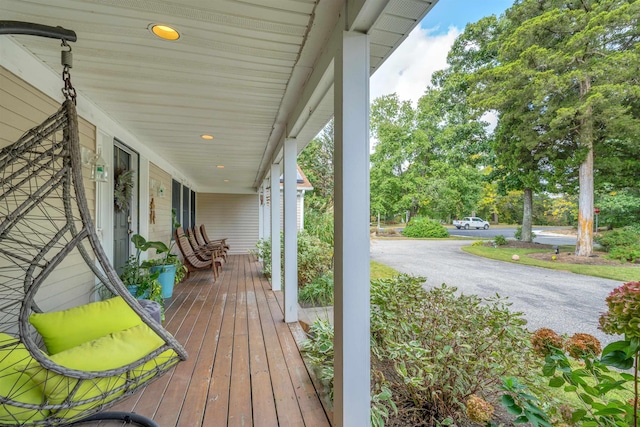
{"type": "Point", "coordinates": [98, 168]}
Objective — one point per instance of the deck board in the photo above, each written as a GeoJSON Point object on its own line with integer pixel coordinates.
{"type": "Point", "coordinates": [244, 366]}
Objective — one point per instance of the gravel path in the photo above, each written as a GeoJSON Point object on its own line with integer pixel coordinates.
{"type": "Point", "coordinates": [562, 301]}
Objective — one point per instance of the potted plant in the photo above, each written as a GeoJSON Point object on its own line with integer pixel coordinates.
{"type": "Point", "coordinates": [141, 283]}
{"type": "Point", "coordinates": [167, 266]}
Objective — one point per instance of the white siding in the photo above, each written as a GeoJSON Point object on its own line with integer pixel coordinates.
{"type": "Point", "coordinates": [21, 107]}
{"type": "Point", "coordinates": [161, 229]}
{"type": "Point", "coordinates": [299, 206]}
{"type": "Point", "coordinates": [234, 216]}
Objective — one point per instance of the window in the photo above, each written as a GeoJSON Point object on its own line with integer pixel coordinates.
{"type": "Point", "coordinates": [186, 215]}
{"type": "Point", "coordinates": [183, 200]}
{"type": "Point", "coordinates": [193, 208]}
{"type": "Point", "coordinates": [176, 191]}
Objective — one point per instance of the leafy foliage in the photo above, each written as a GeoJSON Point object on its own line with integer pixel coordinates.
{"type": "Point", "coordinates": [558, 73]}
{"type": "Point", "coordinates": [316, 161]}
{"type": "Point", "coordinates": [425, 348]}
{"type": "Point", "coordinates": [315, 257]}
{"type": "Point", "coordinates": [263, 252]}
{"type": "Point", "coordinates": [500, 240]}
{"type": "Point", "coordinates": [319, 292]}
{"type": "Point", "coordinates": [425, 227]}
{"type": "Point", "coordinates": [318, 221]}
{"type": "Point", "coordinates": [622, 244]}
{"type": "Point", "coordinates": [618, 208]}
{"type": "Point", "coordinates": [605, 397]}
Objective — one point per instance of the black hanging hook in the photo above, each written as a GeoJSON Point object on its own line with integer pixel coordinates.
{"type": "Point", "coordinates": [31, 29]}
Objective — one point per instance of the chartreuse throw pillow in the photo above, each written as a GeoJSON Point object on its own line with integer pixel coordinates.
{"type": "Point", "coordinates": [62, 330]}
{"type": "Point", "coordinates": [109, 352]}
{"type": "Point", "coordinates": [17, 386]}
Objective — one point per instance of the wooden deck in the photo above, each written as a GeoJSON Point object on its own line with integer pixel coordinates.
{"type": "Point", "coordinates": [244, 366]}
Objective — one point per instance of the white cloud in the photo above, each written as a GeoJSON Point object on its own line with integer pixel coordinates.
{"type": "Point", "coordinates": [408, 70]}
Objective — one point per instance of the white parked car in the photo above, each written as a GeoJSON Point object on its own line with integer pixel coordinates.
{"type": "Point", "coordinates": [471, 222]}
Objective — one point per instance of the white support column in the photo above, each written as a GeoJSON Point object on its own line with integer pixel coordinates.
{"type": "Point", "coordinates": [266, 218]}
{"type": "Point", "coordinates": [276, 279]}
{"type": "Point", "coordinates": [351, 160]}
{"type": "Point", "coordinates": [261, 204]}
{"type": "Point", "coordinates": [290, 232]}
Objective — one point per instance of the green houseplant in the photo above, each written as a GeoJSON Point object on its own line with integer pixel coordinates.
{"type": "Point", "coordinates": [168, 267]}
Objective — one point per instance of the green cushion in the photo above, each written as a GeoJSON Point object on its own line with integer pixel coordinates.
{"type": "Point", "coordinates": [109, 352]}
{"type": "Point", "coordinates": [17, 386]}
{"type": "Point", "coordinates": [62, 330]}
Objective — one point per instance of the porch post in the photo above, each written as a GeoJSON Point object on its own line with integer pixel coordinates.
{"type": "Point", "coordinates": [261, 221]}
{"type": "Point", "coordinates": [266, 218]}
{"type": "Point", "coordinates": [290, 232]}
{"type": "Point", "coordinates": [275, 227]}
{"type": "Point", "coordinates": [351, 160]}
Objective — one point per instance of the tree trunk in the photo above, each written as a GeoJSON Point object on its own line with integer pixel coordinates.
{"type": "Point", "coordinates": [527, 215]}
{"type": "Point", "coordinates": [584, 244]}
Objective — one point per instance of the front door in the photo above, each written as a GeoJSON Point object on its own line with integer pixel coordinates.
{"type": "Point", "coordinates": [122, 211]}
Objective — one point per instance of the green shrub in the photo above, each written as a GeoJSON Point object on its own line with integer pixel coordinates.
{"type": "Point", "coordinates": [626, 236]}
{"type": "Point", "coordinates": [425, 348]}
{"type": "Point", "coordinates": [319, 222]}
{"type": "Point", "coordinates": [314, 257]}
{"type": "Point", "coordinates": [431, 340]}
{"type": "Point", "coordinates": [625, 253]}
{"type": "Point", "coordinates": [622, 243]}
{"type": "Point", "coordinates": [425, 227]}
{"type": "Point", "coordinates": [518, 233]}
{"type": "Point", "coordinates": [500, 240]}
{"type": "Point", "coordinates": [319, 352]}
{"type": "Point", "coordinates": [319, 292]}
{"type": "Point", "coordinates": [263, 252]}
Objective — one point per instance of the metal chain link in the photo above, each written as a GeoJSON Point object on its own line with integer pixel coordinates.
{"type": "Point", "coordinates": [68, 91]}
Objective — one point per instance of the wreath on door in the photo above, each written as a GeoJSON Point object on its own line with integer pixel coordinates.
{"type": "Point", "coordinates": [123, 191]}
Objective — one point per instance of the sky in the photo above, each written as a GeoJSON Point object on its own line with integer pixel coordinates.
{"type": "Point", "coordinates": [408, 70]}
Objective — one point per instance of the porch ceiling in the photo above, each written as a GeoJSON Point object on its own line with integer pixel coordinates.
{"type": "Point", "coordinates": [237, 72]}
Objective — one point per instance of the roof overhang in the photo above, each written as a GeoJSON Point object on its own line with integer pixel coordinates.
{"type": "Point", "coordinates": [249, 73]}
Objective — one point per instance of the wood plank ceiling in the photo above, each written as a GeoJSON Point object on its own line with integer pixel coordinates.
{"type": "Point", "coordinates": [234, 73]}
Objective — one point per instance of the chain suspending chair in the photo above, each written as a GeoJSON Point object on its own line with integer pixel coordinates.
{"type": "Point", "coordinates": [60, 367]}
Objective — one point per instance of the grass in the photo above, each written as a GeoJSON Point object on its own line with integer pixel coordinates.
{"type": "Point", "coordinates": [381, 271]}
{"type": "Point", "coordinates": [626, 274]}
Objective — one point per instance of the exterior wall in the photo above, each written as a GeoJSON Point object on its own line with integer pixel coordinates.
{"type": "Point", "coordinates": [21, 107]}
{"type": "Point", "coordinates": [234, 216]}
{"type": "Point", "coordinates": [161, 229]}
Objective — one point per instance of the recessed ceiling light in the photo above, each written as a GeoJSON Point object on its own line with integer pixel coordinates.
{"type": "Point", "coordinates": [207, 137]}
{"type": "Point", "coordinates": [226, 180]}
{"type": "Point", "coordinates": [164, 32]}
{"type": "Point", "coordinates": [220, 166]}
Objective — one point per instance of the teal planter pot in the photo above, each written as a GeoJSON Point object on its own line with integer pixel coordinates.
{"type": "Point", "coordinates": [133, 290]}
{"type": "Point", "coordinates": [167, 278]}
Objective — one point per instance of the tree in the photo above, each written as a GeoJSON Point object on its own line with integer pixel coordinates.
{"type": "Point", "coordinates": [316, 161]}
{"type": "Point", "coordinates": [400, 160]}
{"type": "Point", "coordinates": [565, 82]}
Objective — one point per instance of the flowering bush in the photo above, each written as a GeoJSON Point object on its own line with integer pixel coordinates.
{"type": "Point", "coordinates": [479, 410]}
{"type": "Point", "coordinates": [623, 316]}
{"type": "Point", "coordinates": [581, 346]}
{"type": "Point", "coordinates": [544, 341]}
{"type": "Point", "coordinates": [593, 380]}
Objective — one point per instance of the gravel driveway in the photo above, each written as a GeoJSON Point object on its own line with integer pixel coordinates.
{"type": "Point", "coordinates": [562, 301]}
